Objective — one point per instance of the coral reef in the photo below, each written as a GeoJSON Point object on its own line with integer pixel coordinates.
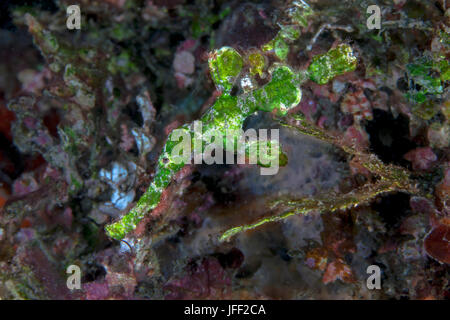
{"type": "Point", "coordinates": [280, 94]}
{"type": "Point", "coordinates": [88, 177]}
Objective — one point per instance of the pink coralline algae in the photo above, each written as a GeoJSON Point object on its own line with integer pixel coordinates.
{"type": "Point", "coordinates": [308, 108]}
{"type": "Point", "coordinates": [437, 243]}
{"type": "Point", "coordinates": [127, 142]}
{"type": "Point", "coordinates": [357, 104]}
{"type": "Point", "coordinates": [184, 64]}
{"type": "Point", "coordinates": [116, 3]}
{"type": "Point", "coordinates": [337, 270]}
{"type": "Point", "coordinates": [96, 290]}
{"type": "Point", "coordinates": [34, 81]}
{"type": "Point", "coordinates": [207, 280]}
{"type": "Point", "coordinates": [87, 116]}
{"type": "Point", "coordinates": [25, 184]}
{"type": "Point", "coordinates": [421, 158]}
{"type": "Point", "coordinates": [355, 136]}
{"type": "Point", "coordinates": [442, 192]}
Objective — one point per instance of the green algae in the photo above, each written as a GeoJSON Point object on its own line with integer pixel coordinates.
{"type": "Point", "coordinates": [423, 74]}
{"type": "Point", "coordinates": [426, 110]}
{"type": "Point", "coordinates": [280, 44]}
{"type": "Point", "coordinates": [203, 24]}
{"type": "Point", "coordinates": [225, 65]}
{"type": "Point", "coordinates": [122, 63]}
{"type": "Point", "coordinates": [121, 32]}
{"type": "Point", "coordinates": [288, 33]}
{"type": "Point", "coordinates": [335, 62]}
{"type": "Point", "coordinates": [228, 114]}
{"type": "Point", "coordinates": [281, 48]}
{"type": "Point", "coordinates": [300, 13]}
{"type": "Point", "coordinates": [281, 93]}
{"type": "Point", "coordinates": [257, 63]}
